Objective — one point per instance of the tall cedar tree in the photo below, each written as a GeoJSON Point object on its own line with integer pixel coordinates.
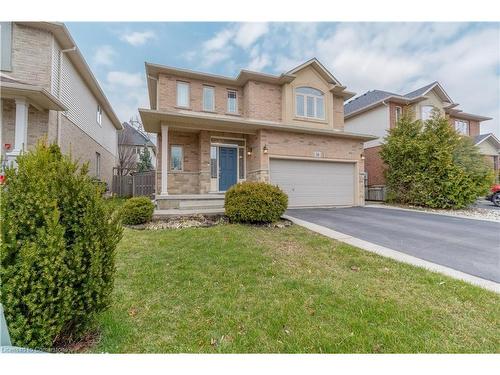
{"type": "Point", "coordinates": [144, 163]}
{"type": "Point", "coordinates": [429, 164]}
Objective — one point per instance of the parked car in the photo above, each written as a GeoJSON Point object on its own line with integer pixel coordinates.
{"type": "Point", "coordinates": [494, 196]}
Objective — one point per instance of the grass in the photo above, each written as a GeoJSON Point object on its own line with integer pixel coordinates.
{"type": "Point", "coordinates": [246, 289]}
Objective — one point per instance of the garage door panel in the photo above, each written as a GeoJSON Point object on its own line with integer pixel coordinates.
{"type": "Point", "coordinates": [314, 183]}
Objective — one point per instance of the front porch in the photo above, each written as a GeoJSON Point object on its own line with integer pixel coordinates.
{"type": "Point", "coordinates": [25, 117]}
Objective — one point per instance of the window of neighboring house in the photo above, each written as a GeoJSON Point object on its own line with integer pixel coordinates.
{"type": "Point", "coordinates": [309, 103]}
{"type": "Point", "coordinates": [99, 115]}
{"type": "Point", "coordinates": [182, 94]}
{"type": "Point", "coordinates": [6, 46]}
{"type": "Point", "coordinates": [462, 127]}
{"type": "Point", "coordinates": [399, 113]}
{"type": "Point", "coordinates": [232, 101]}
{"type": "Point", "coordinates": [426, 112]}
{"type": "Point", "coordinates": [241, 163]}
{"type": "Point", "coordinates": [98, 165]}
{"type": "Point", "coordinates": [213, 162]}
{"type": "Point", "coordinates": [208, 98]}
{"type": "Point", "coordinates": [176, 158]}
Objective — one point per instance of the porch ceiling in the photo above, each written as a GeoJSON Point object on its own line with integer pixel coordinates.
{"type": "Point", "coordinates": [153, 119]}
{"type": "Point", "coordinates": [36, 95]}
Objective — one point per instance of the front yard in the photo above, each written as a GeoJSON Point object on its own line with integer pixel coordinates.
{"type": "Point", "coordinates": [239, 289]}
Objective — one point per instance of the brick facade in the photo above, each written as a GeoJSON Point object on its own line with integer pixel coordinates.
{"type": "Point", "coordinates": [195, 178]}
{"type": "Point", "coordinates": [374, 166]}
{"type": "Point", "coordinates": [37, 123]}
{"type": "Point", "coordinates": [81, 146]}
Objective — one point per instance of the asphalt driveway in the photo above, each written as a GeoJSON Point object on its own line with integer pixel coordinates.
{"type": "Point", "coordinates": [470, 246]}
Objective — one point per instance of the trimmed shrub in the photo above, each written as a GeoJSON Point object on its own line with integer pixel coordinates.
{"type": "Point", "coordinates": [137, 210]}
{"type": "Point", "coordinates": [429, 164]}
{"type": "Point", "coordinates": [255, 202]}
{"type": "Point", "coordinates": [58, 240]}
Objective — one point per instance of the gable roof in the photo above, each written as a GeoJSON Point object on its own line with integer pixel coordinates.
{"type": "Point", "coordinates": [374, 98]}
{"type": "Point", "coordinates": [489, 136]}
{"type": "Point", "coordinates": [64, 38]}
{"type": "Point", "coordinates": [366, 100]}
{"type": "Point", "coordinates": [153, 70]}
{"type": "Point", "coordinates": [136, 137]}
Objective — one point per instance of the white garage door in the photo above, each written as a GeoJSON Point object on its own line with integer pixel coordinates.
{"type": "Point", "coordinates": [314, 183]}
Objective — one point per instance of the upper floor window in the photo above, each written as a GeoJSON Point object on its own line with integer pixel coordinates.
{"type": "Point", "coordinates": [182, 94]}
{"type": "Point", "coordinates": [6, 46]}
{"type": "Point", "coordinates": [208, 98]}
{"type": "Point", "coordinates": [462, 127]}
{"type": "Point", "coordinates": [309, 103]}
{"type": "Point", "coordinates": [99, 115]}
{"type": "Point", "coordinates": [399, 113]}
{"type": "Point", "coordinates": [426, 112]}
{"type": "Point", "coordinates": [232, 101]}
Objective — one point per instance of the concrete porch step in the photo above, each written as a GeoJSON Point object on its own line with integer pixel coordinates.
{"type": "Point", "coordinates": [194, 202]}
{"type": "Point", "coordinates": [159, 214]}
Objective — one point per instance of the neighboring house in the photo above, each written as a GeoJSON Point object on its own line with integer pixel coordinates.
{"type": "Point", "coordinates": [132, 142]}
{"type": "Point", "coordinates": [48, 90]}
{"type": "Point", "coordinates": [376, 111]}
{"type": "Point", "coordinates": [216, 131]}
{"type": "Point", "coordinates": [489, 146]}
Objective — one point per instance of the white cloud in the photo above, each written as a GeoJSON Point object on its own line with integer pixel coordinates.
{"type": "Point", "coordinates": [125, 79]}
{"type": "Point", "coordinates": [248, 33]}
{"type": "Point", "coordinates": [127, 91]}
{"type": "Point", "coordinates": [398, 57]}
{"type": "Point", "coordinates": [137, 38]}
{"type": "Point", "coordinates": [104, 55]}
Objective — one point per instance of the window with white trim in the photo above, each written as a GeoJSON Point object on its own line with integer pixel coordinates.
{"type": "Point", "coordinates": [98, 165]}
{"type": "Point", "coordinates": [426, 112]}
{"type": "Point", "coordinates": [213, 161]}
{"type": "Point", "coordinates": [399, 113]}
{"type": "Point", "coordinates": [309, 103]}
{"type": "Point", "coordinates": [6, 46]}
{"type": "Point", "coordinates": [208, 98]}
{"type": "Point", "coordinates": [232, 101]}
{"type": "Point", "coordinates": [462, 127]}
{"type": "Point", "coordinates": [99, 115]}
{"type": "Point", "coordinates": [176, 158]}
{"type": "Point", "coordinates": [182, 94]}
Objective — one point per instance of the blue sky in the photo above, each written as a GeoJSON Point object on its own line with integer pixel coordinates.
{"type": "Point", "coordinates": [398, 57]}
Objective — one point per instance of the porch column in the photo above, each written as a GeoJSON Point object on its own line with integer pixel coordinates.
{"type": "Point", "coordinates": [164, 159]}
{"type": "Point", "coordinates": [21, 128]}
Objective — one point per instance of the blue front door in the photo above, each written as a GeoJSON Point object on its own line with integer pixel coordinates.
{"type": "Point", "coordinates": [227, 167]}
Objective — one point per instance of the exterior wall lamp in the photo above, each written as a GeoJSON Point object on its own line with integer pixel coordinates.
{"type": "Point", "coordinates": [362, 156]}
{"type": "Point", "coordinates": [249, 152]}
{"type": "Point", "coordinates": [265, 149]}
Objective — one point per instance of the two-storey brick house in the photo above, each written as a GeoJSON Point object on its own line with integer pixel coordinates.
{"type": "Point", "coordinates": [48, 90]}
{"type": "Point", "coordinates": [377, 111]}
{"type": "Point", "coordinates": [216, 131]}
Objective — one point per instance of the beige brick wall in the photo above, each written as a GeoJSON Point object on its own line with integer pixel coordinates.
{"type": "Point", "coordinates": [37, 123]}
{"type": "Point", "coordinates": [31, 55]}
{"type": "Point", "coordinates": [82, 147]}
{"type": "Point", "coordinates": [262, 101]}
{"type": "Point", "coordinates": [167, 87]}
{"type": "Point", "coordinates": [299, 145]}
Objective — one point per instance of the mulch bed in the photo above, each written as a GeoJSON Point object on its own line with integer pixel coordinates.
{"type": "Point", "coordinates": [198, 221]}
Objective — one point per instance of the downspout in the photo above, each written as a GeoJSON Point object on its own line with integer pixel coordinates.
{"type": "Point", "coordinates": [59, 78]}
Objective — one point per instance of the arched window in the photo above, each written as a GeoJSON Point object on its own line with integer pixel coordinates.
{"type": "Point", "coordinates": [309, 103]}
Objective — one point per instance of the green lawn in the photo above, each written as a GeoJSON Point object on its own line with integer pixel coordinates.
{"type": "Point", "coordinates": [246, 289]}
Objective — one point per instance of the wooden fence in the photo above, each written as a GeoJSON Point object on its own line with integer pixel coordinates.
{"type": "Point", "coordinates": [136, 184]}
